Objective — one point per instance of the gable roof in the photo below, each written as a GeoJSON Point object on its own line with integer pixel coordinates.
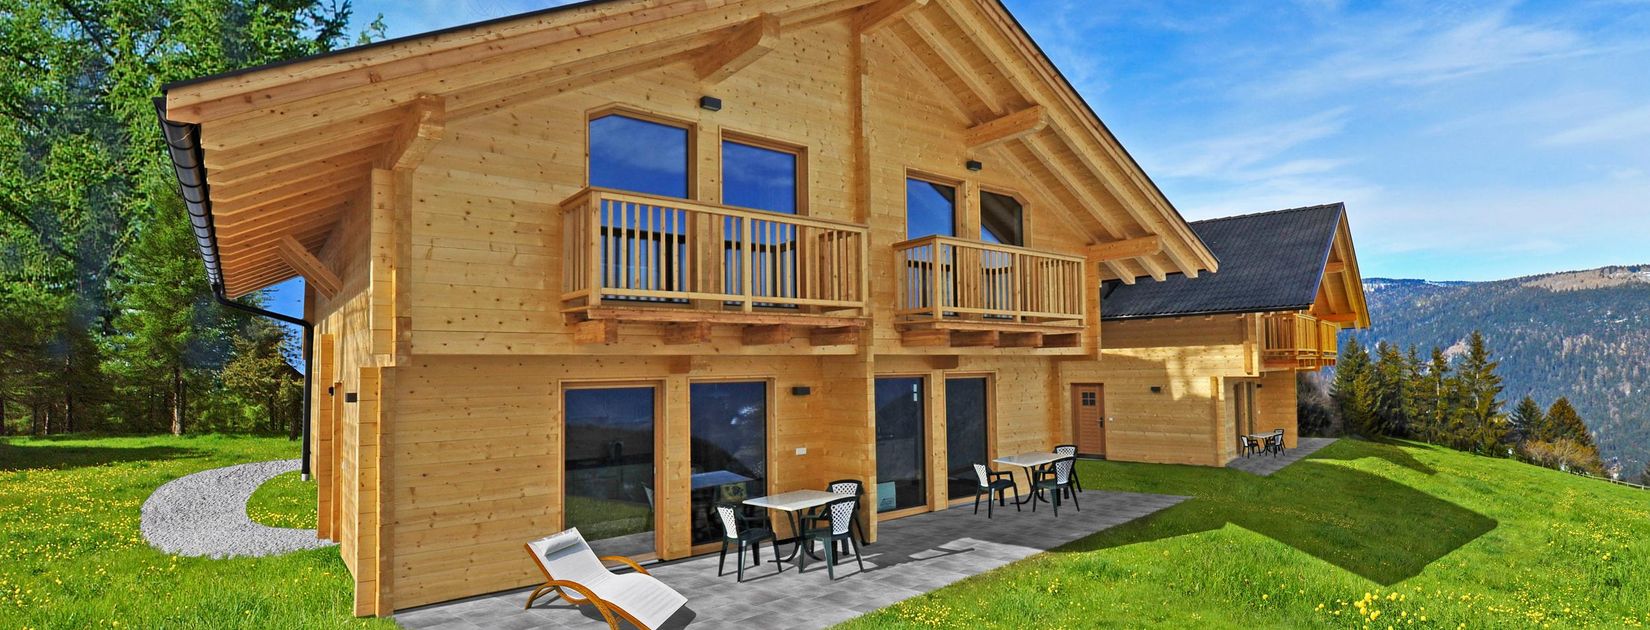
{"type": "Point", "coordinates": [1272, 261]}
{"type": "Point", "coordinates": [287, 146]}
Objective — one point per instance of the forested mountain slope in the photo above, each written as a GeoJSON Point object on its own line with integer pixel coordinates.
{"type": "Point", "coordinates": [1581, 334]}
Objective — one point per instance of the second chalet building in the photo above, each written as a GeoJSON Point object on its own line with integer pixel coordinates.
{"type": "Point", "coordinates": [605, 264]}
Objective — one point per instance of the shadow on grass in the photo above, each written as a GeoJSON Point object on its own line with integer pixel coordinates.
{"type": "Point", "coordinates": [1375, 527]}
{"type": "Point", "coordinates": [43, 453]}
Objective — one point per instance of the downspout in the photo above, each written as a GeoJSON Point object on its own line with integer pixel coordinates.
{"type": "Point", "coordinates": [183, 146]}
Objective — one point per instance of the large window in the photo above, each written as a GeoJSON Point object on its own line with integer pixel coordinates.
{"type": "Point", "coordinates": [628, 153]}
{"type": "Point", "coordinates": [901, 450]}
{"type": "Point", "coordinates": [729, 452]}
{"type": "Point", "coordinates": [1002, 219]}
{"type": "Point", "coordinates": [930, 209]}
{"type": "Point", "coordinates": [608, 488]}
{"type": "Point", "coordinates": [759, 177]}
{"type": "Point", "coordinates": [966, 415]}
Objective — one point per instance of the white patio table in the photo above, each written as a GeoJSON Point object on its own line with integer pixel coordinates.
{"type": "Point", "coordinates": [794, 503]}
{"type": "Point", "coordinates": [1029, 462]}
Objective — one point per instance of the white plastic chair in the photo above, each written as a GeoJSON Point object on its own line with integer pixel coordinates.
{"type": "Point", "coordinates": [573, 571]}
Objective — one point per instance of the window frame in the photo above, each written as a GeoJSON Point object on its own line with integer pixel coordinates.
{"type": "Point", "coordinates": [799, 151]}
{"type": "Point", "coordinates": [1025, 212]}
{"type": "Point", "coordinates": [691, 127]}
{"type": "Point", "coordinates": [958, 202]}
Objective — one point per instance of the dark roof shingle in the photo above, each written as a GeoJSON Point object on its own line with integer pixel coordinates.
{"type": "Point", "coordinates": [1272, 261]}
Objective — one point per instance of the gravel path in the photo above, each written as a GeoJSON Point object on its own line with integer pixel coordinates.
{"type": "Point", "coordinates": [204, 514]}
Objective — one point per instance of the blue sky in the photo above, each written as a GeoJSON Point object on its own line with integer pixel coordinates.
{"type": "Point", "coordinates": [1471, 141]}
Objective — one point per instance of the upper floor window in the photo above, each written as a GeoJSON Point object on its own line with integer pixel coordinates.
{"type": "Point", "coordinates": [628, 153]}
{"type": "Point", "coordinates": [930, 209]}
{"type": "Point", "coordinates": [1002, 219]}
{"type": "Point", "coordinates": [759, 177]}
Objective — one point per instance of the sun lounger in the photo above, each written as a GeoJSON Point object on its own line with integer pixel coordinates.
{"type": "Point", "coordinates": [573, 571]}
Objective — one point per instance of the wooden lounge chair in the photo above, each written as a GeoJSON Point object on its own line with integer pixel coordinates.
{"type": "Point", "coordinates": [573, 571]}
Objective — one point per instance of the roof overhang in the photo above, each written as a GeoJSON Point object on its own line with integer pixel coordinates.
{"type": "Point", "coordinates": [289, 146]}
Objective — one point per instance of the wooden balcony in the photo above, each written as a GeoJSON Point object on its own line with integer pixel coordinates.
{"type": "Point", "coordinates": [636, 257]}
{"type": "Point", "coordinates": [959, 292]}
{"type": "Point", "coordinates": [1298, 341]}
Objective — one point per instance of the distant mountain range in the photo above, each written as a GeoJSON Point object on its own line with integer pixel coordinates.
{"type": "Point", "coordinates": [1582, 334]}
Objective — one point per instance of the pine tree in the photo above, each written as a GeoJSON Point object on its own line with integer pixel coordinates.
{"type": "Point", "coordinates": [1391, 377]}
{"type": "Point", "coordinates": [1435, 398]}
{"type": "Point", "coordinates": [1480, 425]}
{"type": "Point", "coordinates": [1526, 421]}
{"type": "Point", "coordinates": [1564, 423]}
{"type": "Point", "coordinates": [1354, 390]}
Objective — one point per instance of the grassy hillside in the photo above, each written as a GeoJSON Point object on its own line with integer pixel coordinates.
{"type": "Point", "coordinates": [1580, 334]}
{"type": "Point", "coordinates": [1360, 535]}
{"type": "Point", "coordinates": [71, 555]}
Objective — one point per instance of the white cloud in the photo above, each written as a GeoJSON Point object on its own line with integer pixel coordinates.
{"type": "Point", "coordinates": [1624, 125]}
{"type": "Point", "coordinates": [1236, 156]}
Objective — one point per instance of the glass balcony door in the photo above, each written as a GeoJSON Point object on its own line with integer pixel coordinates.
{"type": "Point", "coordinates": [610, 472]}
{"type": "Point", "coordinates": [902, 453]}
{"type": "Point", "coordinates": [966, 433]}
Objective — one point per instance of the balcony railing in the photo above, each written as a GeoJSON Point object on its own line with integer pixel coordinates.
{"type": "Point", "coordinates": [1300, 340]}
{"type": "Point", "coordinates": [944, 278]}
{"type": "Point", "coordinates": [638, 249]}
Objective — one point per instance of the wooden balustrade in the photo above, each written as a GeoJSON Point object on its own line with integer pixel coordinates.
{"type": "Point", "coordinates": [639, 249]}
{"type": "Point", "coordinates": [1299, 340]}
{"type": "Point", "coordinates": [944, 278]}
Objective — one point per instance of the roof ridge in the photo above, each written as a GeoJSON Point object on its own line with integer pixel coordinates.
{"type": "Point", "coordinates": [1341, 205]}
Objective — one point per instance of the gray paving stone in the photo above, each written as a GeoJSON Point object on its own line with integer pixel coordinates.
{"type": "Point", "coordinates": [915, 555]}
{"type": "Point", "coordinates": [1265, 465]}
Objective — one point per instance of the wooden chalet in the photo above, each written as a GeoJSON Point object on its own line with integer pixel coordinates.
{"type": "Point", "coordinates": [1190, 365]}
{"type": "Point", "coordinates": [605, 264]}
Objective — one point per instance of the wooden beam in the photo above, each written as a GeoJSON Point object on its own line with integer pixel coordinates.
{"type": "Point", "coordinates": [602, 331]}
{"type": "Point", "coordinates": [686, 332]}
{"type": "Point", "coordinates": [748, 42]}
{"type": "Point", "coordinates": [1340, 318]}
{"type": "Point", "coordinates": [426, 123]}
{"type": "Point", "coordinates": [925, 338]}
{"type": "Point", "coordinates": [766, 335]}
{"type": "Point", "coordinates": [973, 338]}
{"type": "Point", "coordinates": [875, 16]}
{"type": "Point", "coordinates": [1069, 340]}
{"type": "Point", "coordinates": [953, 59]}
{"type": "Point", "coordinates": [1020, 340]}
{"type": "Point", "coordinates": [1005, 128]}
{"type": "Point", "coordinates": [315, 272]}
{"type": "Point", "coordinates": [1131, 248]}
{"type": "Point", "coordinates": [1334, 266]}
{"type": "Point", "coordinates": [834, 336]}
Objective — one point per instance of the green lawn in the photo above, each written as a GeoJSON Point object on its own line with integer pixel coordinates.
{"type": "Point", "coordinates": [71, 555]}
{"type": "Point", "coordinates": [285, 501]}
{"type": "Point", "coordinates": [1360, 535]}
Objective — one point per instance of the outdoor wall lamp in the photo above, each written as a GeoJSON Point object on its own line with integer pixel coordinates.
{"type": "Point", "coordinates": [974, 165]}
{"type": "Point", "coordinates": [710, 103]}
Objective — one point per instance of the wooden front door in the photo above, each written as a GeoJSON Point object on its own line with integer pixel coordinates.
{"type": "Point", "coordinates": [1088, 411]}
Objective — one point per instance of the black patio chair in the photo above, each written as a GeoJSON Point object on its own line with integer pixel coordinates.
{"type": "Point", "coordinates": [1070, 449]}
{"type": "Point", "coordinates": [1274, 442]}
{"type": "Point", "coordinates": [1247, 445]}
{"type": "Point", "coordinates": [741, 530]}
{"type": "Point", "coordinates": [852, 488]}
{"type": "Point", "coordinates": [1055, 477]}
{"type": "Point", "coordinates": [838, 520]}
{"type": "Point", "coordinates": [994, 485]}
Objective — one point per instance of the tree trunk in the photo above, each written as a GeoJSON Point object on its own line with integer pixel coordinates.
{"type": "Point", "coordinates": [177, 401]}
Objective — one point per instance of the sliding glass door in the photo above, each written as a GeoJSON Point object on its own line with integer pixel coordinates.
{"type": "Point", "coordinates": [901, 447]}
{"type": "Point", "coordinates": [966, 417]}
{"type": "Point", "coordinates": [729, 452]}
{"type": "Point", "coordinates": [609, 479]}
